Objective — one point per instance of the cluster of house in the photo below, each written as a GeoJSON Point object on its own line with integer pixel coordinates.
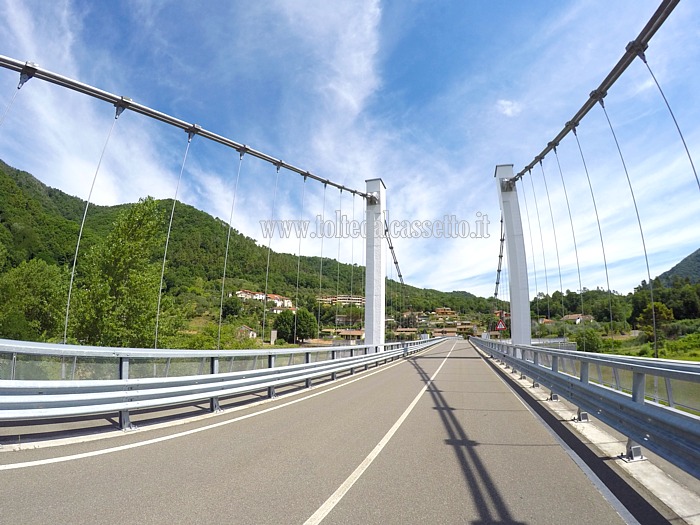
{"type": "Point", "coordinates": [279, 302]}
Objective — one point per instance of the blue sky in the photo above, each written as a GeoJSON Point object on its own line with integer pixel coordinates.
{"type": "Point", "coordinates": [429, 96]}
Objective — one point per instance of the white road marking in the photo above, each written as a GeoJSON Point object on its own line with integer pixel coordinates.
{"type": "Point", "coordinates": [333, 500]}
{"type": "Point", "coordinates": [72, 457]}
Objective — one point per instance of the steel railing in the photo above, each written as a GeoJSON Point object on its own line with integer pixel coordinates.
{"type": "Point", "coordinates": [38, 380]}
{"type": "Point", "coordinates": [653, 402]}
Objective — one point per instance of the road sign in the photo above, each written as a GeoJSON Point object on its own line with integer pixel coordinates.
{"type": "Point", "coordinates": [501, 325]}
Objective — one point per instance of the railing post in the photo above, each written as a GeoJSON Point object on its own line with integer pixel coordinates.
{"type": "Point", "coordinates": [584, 372]}
{"type": "Point", "coordinates": [214, 401]}
{"type": "Point", "coordinates": [307, 360]}
{"type": "Point", "coordinates": [634, 450]}
{"type": "Point", "coordinates": [334, 356]}
{"type": "Point", "coordinates": [124, 420]}
{"type": "Point", "coordinates": [271, 364]}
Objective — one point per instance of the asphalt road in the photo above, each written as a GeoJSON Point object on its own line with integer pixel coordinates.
{"type": "Point", "coordinates": [385, 446]}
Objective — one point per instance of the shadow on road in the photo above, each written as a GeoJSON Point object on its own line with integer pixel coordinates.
{"type": "Point", "coordinates": [479, 483]}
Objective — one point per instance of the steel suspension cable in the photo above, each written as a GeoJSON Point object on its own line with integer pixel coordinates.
{"type": "Point", "coordinates": [269, 252]}
{"type": "Point", "coordinates": [118, 112]}
{"type": "Point", "coordinates": [639, 49]}
{"type": "Point", "coordinates": [190, 134]}
{"type": "Point", "coordinates": [532, 251]}
{"type": "Point", "coordinates": [597, 220]}
{"type": "Point", "coordinates": [556, 243]}
{"type": "Point", "coordinates": [544, 259]}
{"type": "Point", "coordinates": [352, 263]}
{"type": "Point", "coordinates": [296, 300]}
{"type": "Point", "coordinates": [573, 235]}
{"type": "Point", "coordinates": [228, 241]}
{"type": "Point", "coordinates": [320, 271]}
{"type": "Point", "coordinates": [500, 266]}
{"type": "Point", "coordinates": [340, 236]}
{"type": "Point", "coordinates": [639, 222]}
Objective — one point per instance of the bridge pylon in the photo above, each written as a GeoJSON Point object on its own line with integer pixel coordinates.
{"type": "Point", "coordinates": [375, 266]}
{"type": "Point", "coordinates": [520, 324]}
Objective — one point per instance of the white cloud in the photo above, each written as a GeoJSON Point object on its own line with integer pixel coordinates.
{"type": "Point", "coordinates": [302, 81]}
{"type": "Point", "coordinates": [509, 108]}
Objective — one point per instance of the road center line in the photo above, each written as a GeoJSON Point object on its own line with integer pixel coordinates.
{"type": "Point", "coordinates": [335, 498]}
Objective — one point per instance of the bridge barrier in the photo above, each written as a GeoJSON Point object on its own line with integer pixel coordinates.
{"type": "Point", "coordinates": [654, 402]}
{"type": "Point", "coordinates": [42, 398]}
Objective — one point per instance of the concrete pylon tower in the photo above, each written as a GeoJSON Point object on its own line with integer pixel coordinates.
{"type": "Point", "coordinates": [520, 324]}
{"type": "Point", "coordinates": [375, 269]}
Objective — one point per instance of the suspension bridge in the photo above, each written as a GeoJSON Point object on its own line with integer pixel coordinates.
{"type": "Point", "coordinates": [431, 430]}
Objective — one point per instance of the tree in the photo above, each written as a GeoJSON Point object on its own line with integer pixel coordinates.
{"type": "Point", "coordinates": [33, 298]}
{"type": "Point", "coordinates": [661, 313]}
{"type": "Point", "coordinates": [116, 300]}
{"type": "Point", "coordinates": [588, 340]}
{"type": "Point", "coordinates": [306, 324]}
{"type": "Point", "coordinates": [232, 307]}
{"type": "Point", "coordinates": [284, 324]}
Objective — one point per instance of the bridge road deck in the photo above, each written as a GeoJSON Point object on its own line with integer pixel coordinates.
{"type": "Point", "coordinates": [468, 452]}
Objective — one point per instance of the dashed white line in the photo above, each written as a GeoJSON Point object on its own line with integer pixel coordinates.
{"type": "Point", "coordinates": [333, 500]}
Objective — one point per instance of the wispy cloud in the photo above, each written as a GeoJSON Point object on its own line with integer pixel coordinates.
{"type": "Point", "coordinates": [334, 88]}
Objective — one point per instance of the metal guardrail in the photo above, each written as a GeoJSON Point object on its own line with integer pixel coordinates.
{"type": "Point", "coordinates": [655, 403]}
{"type": "Point", "coordinates": [41, 397]}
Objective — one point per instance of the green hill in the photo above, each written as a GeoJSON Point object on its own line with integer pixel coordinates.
{"type": "Point", "coordinates": [688, 268]}
{"type": "Point", "coordinates": [40, 224]}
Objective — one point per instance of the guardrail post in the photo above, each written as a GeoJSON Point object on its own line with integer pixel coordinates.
{"type": "Point", "coordinates": [334, 356]}
{"type": "Point", "coordinates": [584, 372]}
{"type": "Point", "coordinates": [307, 360]}
{"type": "Point", "coordinates": [124, 420]}
{"type": "Point", "coordinates": [13, 365]}
{"type": "Point", "coordinates": [271, 364]}
{"type": "Point", "coordinates": [214, 401]}
{"type": "Point", "coordinates": [634, 450]}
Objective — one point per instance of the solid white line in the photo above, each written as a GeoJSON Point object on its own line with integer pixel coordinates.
{"type": "Point", "coordinates": [615, 503]}
{"type": "Point", "coordinates": [333, 500]}
{"type": "Point", "coordinates": [61, 459]}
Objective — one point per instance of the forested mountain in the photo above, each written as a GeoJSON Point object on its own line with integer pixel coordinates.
{"type": "Point", "coordinates": [688, 268]}
{"type": "Point", "coordinates": [39, 225]}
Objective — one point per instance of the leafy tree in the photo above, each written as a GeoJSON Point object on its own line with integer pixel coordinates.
{"type": "Point", "coordinates": [33, 298]}
{"type": "Point", "coordinates": [284, 324]}
{"type": "Point", "coordinates": [232, 307]}
{"type": "Point", "coordinates": [116, 302]}
{"type": "Point", "coordinates": [661, 313]}
{"type": "Point", "coordinates": [306, 324]}
{"type": "Point", "coordinates": [588, 339]}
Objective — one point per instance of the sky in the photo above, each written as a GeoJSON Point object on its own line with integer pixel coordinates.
{"type": "Point", "coordinates": [428, 96]}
